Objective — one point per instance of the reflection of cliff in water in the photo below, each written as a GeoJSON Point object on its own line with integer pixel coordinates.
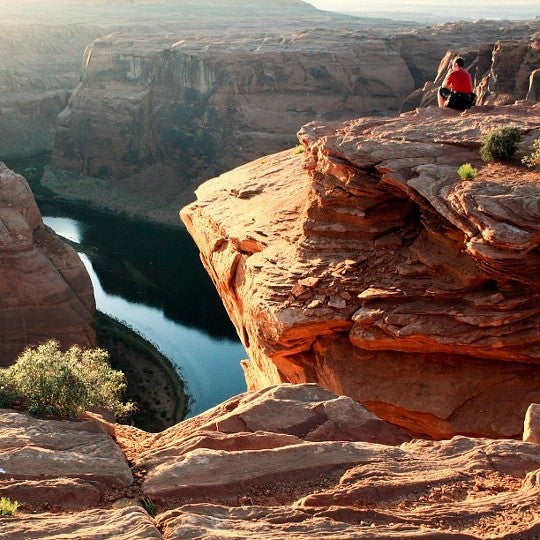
{"type": "Point", "coordinates": [148, 264]}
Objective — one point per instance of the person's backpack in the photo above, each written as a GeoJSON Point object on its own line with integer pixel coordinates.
{"type": "Point", "coordinates": [461, 101]}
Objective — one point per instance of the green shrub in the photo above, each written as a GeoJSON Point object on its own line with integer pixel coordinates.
{"type": "Point", "coordinates": [501, 144]}
{"type": "Point", "coordinates": [298, 149]}
{"type": "Point", "coordinates": [467, 172]}
{"type": "Point", "coordinates": [149, 506]}
{"type": "Point", "coordinates": [533, 159]}
{"type": "Point", "coordinates": [8, 507]}
{"type": "Point", "coordinates": [8, 391]}
{"type": "Point", "coordinates": [45, 380]}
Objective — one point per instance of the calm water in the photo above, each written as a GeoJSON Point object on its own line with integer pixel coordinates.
{"type": "Point", "coordinates": [151, 279]}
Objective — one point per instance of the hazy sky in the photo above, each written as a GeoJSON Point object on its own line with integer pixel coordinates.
{"type": "Point", "coordinates": [364, 4]}
{"type": "Point", "coordinates": [433, 11]}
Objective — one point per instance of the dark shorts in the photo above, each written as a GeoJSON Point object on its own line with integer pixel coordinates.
{"type": "Point", "coordinates": [457, 100]}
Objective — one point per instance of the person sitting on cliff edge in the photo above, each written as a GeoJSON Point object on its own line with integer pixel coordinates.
{"type": "Point", "coordinates": [457, 90]}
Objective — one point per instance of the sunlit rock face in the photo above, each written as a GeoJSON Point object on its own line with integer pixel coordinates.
{"type": "Point", "coordinates": [292, 459]}
{"type": "Point", "coordinates": [367, 265]}
{"type": "Point", "coordinates": [45, 290]}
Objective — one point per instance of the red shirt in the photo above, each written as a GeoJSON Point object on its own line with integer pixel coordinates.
{"type": "Point", "coordinates": [460, 81]}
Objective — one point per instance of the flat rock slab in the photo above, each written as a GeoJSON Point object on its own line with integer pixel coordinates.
{"type": "Point", "coordinates": [277, 416]}
{"type": "Point", "coordinates": [460, 488]}
{"type": "Point", "coordinates": [37, 449]}
{"type": "Point", "coordinates": [206, 521]}
{"type": "Point", "coordinates": [131, 523]}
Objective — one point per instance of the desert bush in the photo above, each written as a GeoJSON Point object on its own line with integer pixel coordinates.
{"type": "Point", "coordinates": [8, 507]}
{"type": "Point", "coordinates": [46, 380]}
{"type": "Point", "coordinates": [501, 144]}
{"type": "Point", "coordinates": [533, 159]}
{"type": "Point", "coordinates": [298, 149]}
{"type": "Point", "coordinates": [467, 172]}
{"type": "Point", "coordinates": [8, 391]}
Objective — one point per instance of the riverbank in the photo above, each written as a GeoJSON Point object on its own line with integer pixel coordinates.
{"type": "Point", "coordinates": [153, 382]}
{"type": "Point", "coordinates": [157, 201]}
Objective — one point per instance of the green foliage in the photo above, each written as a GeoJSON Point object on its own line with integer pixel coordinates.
{"type": "Point", "coordinates": [8, 391]}
{"type": "Point", "coordinates": [467, 172]}
{"type": "Point", "coordinates": [8, 507]}
{"type": "Point", "coordinates": [298, 149]}
{"type": "Point", "coordinates": [149, 506]}
{"type": "Point", "coordinates": [501, 144]}
{"type": "Point", "coordinates": [46, 380]}
{"type": "Point", "coordinates": [533, 159]}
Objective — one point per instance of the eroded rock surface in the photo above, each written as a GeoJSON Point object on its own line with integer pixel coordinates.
{"type": "Point", "coordinates": [58, 463]}
{"type": "Point", "coordinates": [45, 290]}
{"type": "Point", "coordinates": [368, 266]}
{"type": "Point", "coordinates": [272, 463]}
{"type": "Point", "coordinates": [131, 523]}
{"type": "Point", "coordinates": [289, 460]}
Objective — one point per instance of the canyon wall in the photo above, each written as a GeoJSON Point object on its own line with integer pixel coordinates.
{"type": "Point", "coordinates": [367, 265]}
{"type": "Point", "coordinates": [42, 45]}
{"type": "Point", "coordinates": [159, 114]}
{"type": "Point", "coordinates": [46, 291]}
{"type": "Point", "coordinates": [40, 66]}
{"type": "Point", "coordinates": [154, 115]}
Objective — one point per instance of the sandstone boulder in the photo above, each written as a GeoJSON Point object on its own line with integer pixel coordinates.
{"type": "Point", "coordinates": [368, 266]}
{"type": "Point", "coordinates": [131, 523]}
{"type": "Point", "coordinates": [531, 431]}
{"type": "Point", "coordinates": [45, 290]}
{"type": "Point", "coordinates": [69, 455]}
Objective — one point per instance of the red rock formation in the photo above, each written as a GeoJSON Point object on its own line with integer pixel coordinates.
{"type": "Point", "coordinates": [292, 460]}
{"type": "Point", "coordinates": [45, 290]}
{"type": "Point", "coordinates": [368, 266]}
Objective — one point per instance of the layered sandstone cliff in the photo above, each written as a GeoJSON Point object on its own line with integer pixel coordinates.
{"type": "Point", "coordinates": [46, 291]}
{"type": "Point", "coordinates": [42, 43]}
{"type": "Point", "coordinates": [156, 115]}
{"type": "Point", "coordinates": [365, 264]}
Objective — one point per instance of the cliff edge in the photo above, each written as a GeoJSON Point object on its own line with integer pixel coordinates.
{"type": "Point", "coordinates": [367, 265]}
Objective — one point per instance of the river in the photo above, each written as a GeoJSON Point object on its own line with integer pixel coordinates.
{"type": "Point", "coordinates": [151, 279]}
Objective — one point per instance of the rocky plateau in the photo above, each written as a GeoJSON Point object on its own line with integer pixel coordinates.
{"type": "Point", "coordinates": [288, 461]}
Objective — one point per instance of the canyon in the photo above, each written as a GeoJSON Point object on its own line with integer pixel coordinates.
{"type": "Point", "coordinates": [362, 264]}
{"type": "Point", "coordinates": [389, 308]}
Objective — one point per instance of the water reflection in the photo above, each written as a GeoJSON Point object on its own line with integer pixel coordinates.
{"type": "Point", "coordinates": [151, 278]}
